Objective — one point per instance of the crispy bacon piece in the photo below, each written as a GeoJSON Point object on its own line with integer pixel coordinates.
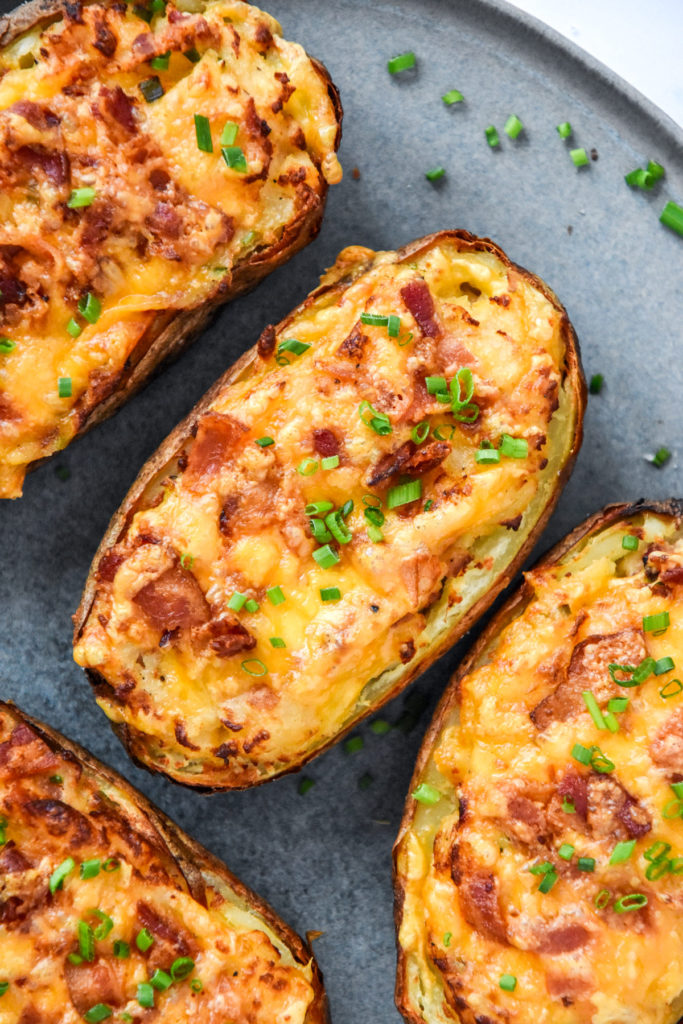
{"type": "Point", "coordinates": [51, 164]}
{"type": "Point", "coordinates": [563, 938]}
{"type": "Point", "coordinates": [479, 897]}
{"type": "Point", "coordinates": [265, 346]}
{"type": "Point", "coordinates": [409, 458]}
{"type": "Point", "coordinates": [422, 575]}
{"type": "Point", "coordinates": [216, 437]}
{"type": "Point", "coordinates": [325, 442]}
{"type": "Point", "coordinates": [101, 981]}
{"type": "Point", "coordinates": [225, 636]}
{"type": "Point", "coordinates": [24, 754]}
{"type": "Point", "coordinates": [37, 115]}
{"type": "Point", "coordinates": [419, 302]}
{"type": "Point", "coordinates": [117, 106]}
{"type": "Point", "coordinates": [12, 860]}
{"type": "Point", "coordinates": [109, 565]}
{"type": "Point", "coordinates": [353, 345]}
{"type": "Point", "coordinates": [171, 940]}
{"type": "Point", "coordinates": [60, 819]}
{"type": "Point", "coordinates": [173, 600]}
{"type": "Point", "coordinates": [589, 670]}
{"type": "Point", "coordinates": [666, 748]}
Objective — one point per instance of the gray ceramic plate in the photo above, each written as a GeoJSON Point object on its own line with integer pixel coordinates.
{"type": "Point", "coordinates": [323, 860]}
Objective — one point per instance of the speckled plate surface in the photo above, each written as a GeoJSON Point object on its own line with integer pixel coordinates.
{"type": "Point", "coordinates": [323, 859]}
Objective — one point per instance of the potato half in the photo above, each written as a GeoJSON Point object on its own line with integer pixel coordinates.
{"type": "Point", "coordinates": [538, 867]}
{"type": "Point", "coordinates": [108, 910]}
{"type": "Point", "coordinates": [334, 513]}
{"type": "Point", "coordinates": [156, 159]}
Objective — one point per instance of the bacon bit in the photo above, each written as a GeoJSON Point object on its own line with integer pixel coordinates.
{"type": "Point", "coordinates": [109, 564]}
{"type": "Point", "coordinates": [419, 302]}
{"type": "Point", "coordinates": [428, 457]}
{"type": "Point", "coordinates": [60, 819]}
{"type": "Point", "coordinates": [588, 670]}
{"type": "Point", "coordinates": [118, 106]}
{"type": "Point", "coordinates": [165, 221]}
{"type": "Point", "coordinates": [421, 575]}
{"type": "Point", "coordinates": [563, 939]}
{"type": "Point", "coordinates": [38, 116]}
{"type": "Point", "coordinates": [8, 412]}
{"type": "Point", "coordinates": [216, 437]}
{"type": "Point", "coordinates": [174, 599]}
{"type": "Point", "coordinates": [265, 346]}
{"type": "Point", "coordinates": [666, 749]}
{"type": "Point", "coordinates": [478, 896]}
{"type": "Point", "coordinates": [409, 458]}
{"type": "Point", "coordinates": [171, 940]}
{"type": "Point", "coordinates": [12, 860]}
{"type": "Point", "coordinates": [98, 982]}
{"type": "Point", "coordinates": [355, 173]}
{"type": "Point", "coordinates": [325, 442]}
{"type": "Point", "coordinates": [182, 737]}
{"type": "Point", "coordinates": [159, 179]}
{"type": "Point", "coordinates": [672, 574]}
{"type": "Point", "coordinates": [352, 346]}
{"type": "Point", "coordinates": [225, 636]}
{"type": "Point", "coordinates": [97, 221]}
{"type": "Point", "coordinates": [527, 820]}
{"type": "Point", "coordinates": [574, 788]}
{"type": "Point", "coordinates": [232, 726]}
{"type": "Point", "coordinates": [53, 164]}
{"type": "Point", "coordinates": [105, 40]}
{"type": "Point", "coordinates": [144, 45]}
{"type": "Point", "coordinates": [25, 754]}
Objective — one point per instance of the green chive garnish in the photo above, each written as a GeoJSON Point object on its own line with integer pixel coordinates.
{"type": "Point", "coordinates": [374, 319]}
{"type": "Point", "coordinates": [564, 130]}
{"type": "Point", "coordinates": [508, 982]}
{"type": "Point", "coordinates": [305, 785]}
{"type": "Point", "coordinates": [403, 62]}
{"type": "Point", "coordinates": [7, 345]}
{"type": "Point", "coordinates": [596, 384]}
{"type": "Point", "coordinates": [182, 968]}
{"type": "Point", "coordinates": [144, 940]}
{"type": "Point", "coordinates": [160, 980]}
{"type": "Point", "coordinates": [377, 421]}
{"type": "Point", "coordinates": [487, 456]}
{"type": "Point", "coordinates": [151, 89]}
{"type": "Point", "coordinates": [548, 881]}
{"type": "Point", "coordinates": [404, 493]}
{"type": "Point", "coordinates": [579, 157]}
{"type": "Point", "coordinates": [656, 624]}
{"type": "Point", "coordinates": [671, 689]}
{"type": "Point", "coordinates": [452, 96]}
{"type": "Point", "coordinates": [145, 995]}
{"type": "Point", "coordinates": [326, 556]}
{"type": "Point", "coordinates": [329, 462]}
{"type": "Point", "coordinates": [582, 754]}
{"type": "Point", "coordinates": [513, 126]}
{"type": "Point", "coordinates": [90, 868]}
{"type": "Point", "coordinates": [264, 442]}
{"type": "Point", "coordinates": [622, 852]}
{"type": "Point", "coordinates": [330, 594]}
{"type": "Point", "coordinates": [672, 217]}
{"type": "Point", "coordinates": [74, 328]}
{"type": "Point", "coordinates": [60, 873]}
{"type": "Point", "coordinates": [81, 197]}
{"type": "Point", "coordinates": [568, 806]}
{"type": "Point", "coordinates": [353, 745]}
{"type": "Point", "coordinates": [64, 387]}
{"type": "Point", "coordinates": [492, 136]}
{"type": "Point", "coordinates": [237, 601]}
{"type": "Point", "coordinates": [98, 1013]}
{"type": "Point", "coordinates": [629, 542]}
{"type": "Point", "coordinates": [277, 641]}
{"type": "Point", "coordinates": [593, 709]}
{"type": "Point", "coordinates": [121, 950]}
{"type": "Point", "coordinates": [514, 447]}
{"type": "Point", "coordinates": [660, 457]}
{"type": "Point", "coordinates": [293, 345]}
{"type": "Point", "coordinates": [161, 62]}
{"type": "Point", "coordinates": [90, 308]}
{"type": "Point", "coordinates": [86, 941]}
{"type": "Point", "coordinates": [235, 158]}
{"type": "Point", "coordinates": [252, 605]}
{"type": "Point", "coordinates": [663, 665]}
{"type": "Point", "coordinates": [634, 901]}
{"type": "Point", "coordinates": [617, 704]}
{"type": "Point", "coordinates": [435, 173]}
{"type": "Point", "coordinates": [202, 128]}
{"type": "Point", "coordinates": [229, 133]}
{"type": "Point", "coordinates": [275, 595]}
{"type": "Point", "coordinates": [566, 851]}
{"type": "Point", "coordinates": [196, 985]}
{"type": "Point", "coordinates": [254, 667]}
{"type": "Point", "coordinates": [426, 794]}
{"type": "Point", "coordinates": [380, 727]}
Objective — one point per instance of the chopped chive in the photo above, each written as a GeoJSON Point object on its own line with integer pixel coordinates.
{"type": "Point", "coordinates": [111, 864]}
{"type": "Point", "coordinates": [452, 96]}
{"type": "Point", "coordinates": [514, 447]}
{"type": "Point", "coordinates": [90, 868]}
{"type": "Point", "coordinates": [658, 869]}
{"type": "Point", "coordinates": [393, 325]}
{"type": "Point", "coordinates": [7, 345]}
{"type": "Point", "coordinates": [487, 456]}
{"type": "Point", "coordinates": [196, 985]}
{"type": "Point", "coordinates": [202, 129]}
{"type": "Point", "coordinates": [81, 197]}
{"type": "Point", "coordinates": [337, 527]}
{"type": "Point", "coordinates": [660, 457]}
{"type": "Point", "coordinates": [90, 308]}
{"type": "Point", "coordinates": [330, 594]}
{"type": "Point", "coordinates": [602, 899]}
{"type": "Point", "coordinates": [426, 794]}
{"type": "Point", "coordinates": [151, 89]}
{"type": "Point", "coordinates": [404, 493]}
{"type": "Point", "coordinates": [264, 442]}
{"type": "Point", "coordinates": [617, 704]}
{"type": "Point", "coordinates": [160, 980]}
{"type": "Point", "coordinates": [541, 869]}
{"type": "Point", "coordinates": [600, 762]}
{"type": "Point", "coordinates": [622, 852]}
{"type": "Point", "coordinates": [374, 319]}
{"type": "Point", "coordinates": [492, 136]}
{"type": "Point", "coordinates": [254, 667]}
{"type": "Point", "coordinates": [435, 173]}
{"type": "Point", "coordinates": [64, 387]}
{"type": "Point", "coordinates": [672, 217]}
{"type": "Point", "coordinates": [229, 133]}
{"type": "Point", "coordinates": [568, 806]}
{"type": "Point", "coordinates": [252, 605]}
{"type": "Point", "coordinates": [513, 126]}
{"type": "Point", "coordinates": [656, 624]}
{"type": "Point", "coordinates": [307, 467]}
{"type": "Point", "coordinates": [326, 556]}
{"type": "Point", "coordinates": [671, 689]}
{"type": "Point", "coordinates": [402, 62]}
{"type": "Point", "coordinates": [74, 328]}
{"type": "Point", "coordinates": [508, 982]}
{"type": "Point", "coordinates": [275, 596]}
{"type": "Point", "coordinates": [634, 901]}
{"type": "Point", "coordinates": [305, 785]}
{"type": "Point", "coordinates": [192, 55]}
{"type": "Point", "coordinates": [97, 1013]}
{"type": "Point", "coordinates": [377, 421]}
{"type": "Point", "coordinates": [564, 130]}
{"type": "Point", "coordinates": [277, 641]}
{"type": "Point", "coordinates": [447, 938]}
{"type": "Point", "coordinates": [317, 508]}
{"type": "Point", "coordinates": [663, 665]}
{"type": "Point", "coordinates": [420, 432]}
{"type": "Point", "coordinates": [320, 531]}
{"type": "Point", "coordinates": [145, 995]}
{"type": "Point", "coordinates": [354, 744]}
{"type": "Point", "coordinates": [436, 385]}
{"type": "Point", "coordinates": [639, 178]}
{"type": "Point", "coordinates": [86, 941]}
{"type": "Point", "coordinates": [582, 754]}
{"type": "Point", "coordinates": [121, 950]}
{"type": "Point", "coordinates": [380, 727]}
{"type": "Point", "coordinates": [235, 158]}
{"type": "Point", "coordinates": [186, 560]}
{"type": "Point", "coordinates": [677, 788]}
{"type": "Point", "coordinates": [566, 851]}
{"type": "Point", "coordinates": [293, 345]}
{"type": "Point", "coordinates": [182, 968]}
{"type": "Point", "coordinates": [428, 505]}
{"type": "Point", "coordinates": [144, 939]}
{"type": "Point", "coordinates": [596, 384]}
{"type": "Point", "coordinates": [610, 721]}
{"type": "Point", "coordinates": [655, 169]}
{"type": "Point", "coordinates": [629, 542]}
{"type": "Point", "coordinates": [237, 601]}
{"type": "Point", "coordinates": [60, 873]}
{"type": "Point", "coordinates": [329, 462]}
{"type": "Point", "coordinates": [548, 881]}
{"type": "Point", "coordinates": [579, 157]}
{"type": "Point", "coordinates": [58, 780]}
{"type": "Point", "coordinates": [593, 709]}
{"type": "Point", "coordinates": [657, 851]}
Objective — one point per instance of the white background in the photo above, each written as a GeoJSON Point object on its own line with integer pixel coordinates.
{"type": "Point", "coordinates": [639, 39]}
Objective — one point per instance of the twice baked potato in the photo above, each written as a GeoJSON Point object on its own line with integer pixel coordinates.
{"type": "Point", "coordinates": [538, 867]}
{"type": "Point", "coordinates": [109, 913]}
{"type": "Point", "coordinates": [334, 513]}
{"type": "Point", "coordinates": [156, 159]}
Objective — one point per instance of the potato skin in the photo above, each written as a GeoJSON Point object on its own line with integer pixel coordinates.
{"type": "Point", "coordinates": [169, 331]}
{"type": "Point", "coordinates": [200, 870]}
{"type": "Point", "coordinates": [448, 708]}
{"type": "Point", "coordinates": [351, 265]}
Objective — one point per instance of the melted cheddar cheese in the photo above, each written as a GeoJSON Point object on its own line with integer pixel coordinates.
{"type": "Point", "coordinates": [93, 905]}
{"type": "Point", "coordinates": [555, 851]}
{"type": "Point", "coordinates": [195, 680]}
{"type": "Point", "coordinates": [104, 100]}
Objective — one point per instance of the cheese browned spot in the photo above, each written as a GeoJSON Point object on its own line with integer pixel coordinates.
{"type": "Point", "coordinates": [170, 228]}
{"type": "Point", "coordinates": [512, 796]}
{"type": "Point", "coordinates": [55, 809]}
{"type": "Point", "coordinates": [236, 509]}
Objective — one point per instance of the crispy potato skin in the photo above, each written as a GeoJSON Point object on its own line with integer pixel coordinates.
{"type": "Point", "coordinates": [198, 247]}
{"type": "Point", "coordinates": [204, 437]}
{"type": "Point", "coordinates": [566, 955]}
{"type": "Point", "coordinates": [59, 801]}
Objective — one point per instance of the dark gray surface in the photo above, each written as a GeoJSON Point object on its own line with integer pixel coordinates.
{"type": "Point", "coordinates": [323, 860]}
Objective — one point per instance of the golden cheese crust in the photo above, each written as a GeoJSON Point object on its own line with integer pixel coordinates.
{"type": "Point", "coordinates": [232, 625]}
{"type": "Point", "coordinates": [108, 912]}
{"type": "Point", "coordinates": [155, 160]}
{"type": "Point", "coordinates": [538, 872]}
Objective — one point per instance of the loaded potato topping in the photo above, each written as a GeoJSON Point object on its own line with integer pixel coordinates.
{"type": "Point", "coordinates": [542, 873]}
{"type": "Point", "coordinates": [146, 151]}
{"type": "Point", "coordinates": [98, 921]}
{"type": "Point", "coordinates": [324, 511]}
